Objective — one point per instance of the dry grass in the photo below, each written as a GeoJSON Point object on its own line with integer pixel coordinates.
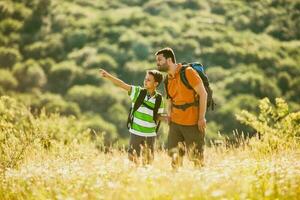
{"type": "Point", "coordinates": [85, 173]}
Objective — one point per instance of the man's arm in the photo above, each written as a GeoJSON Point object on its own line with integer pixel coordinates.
{"type": "Point", "coordinates": [115, 80]}
{"type": "Point", "coordinates": [200, 90]}
{"type": "Point", "coordinates": [165, 116]}
{"type": "Point", "coordinates": [169, 110]}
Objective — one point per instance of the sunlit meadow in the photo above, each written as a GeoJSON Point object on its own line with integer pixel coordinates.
{"type": "Point", "coordinates": [41, 165]}
{"type": "Point", "coordinates": [88, 174]}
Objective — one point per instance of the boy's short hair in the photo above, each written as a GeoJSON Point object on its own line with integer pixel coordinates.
{"type": "Point", "coordinates": [156, 74]}
{"type": "Point", "coordinates": [167, 53]}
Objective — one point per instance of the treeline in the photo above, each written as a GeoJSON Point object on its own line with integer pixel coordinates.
{"type": "Point", "coordinates": [51, 50]}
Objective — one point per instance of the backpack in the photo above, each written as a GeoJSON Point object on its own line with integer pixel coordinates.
{"type": "Point", "coordinates": [198, 67]}
{"type": "Point", "coordinates": [139, 101]}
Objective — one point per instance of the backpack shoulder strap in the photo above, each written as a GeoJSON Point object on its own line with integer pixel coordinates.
{"type": "Point", "coordinates": [183, 76]}
{"type": "Point", "coordinates": [158, 102]}
{"type": "Point", "coordinates": [136, 105]}
{"type": "Point", "coordinates": [157, 106]}
{"type": "Point", "coordinates": [166, 87]}
{"type": "Point", "coordinates": [202, 75]}
{"type": "Point", "coordinates": [139, 100]}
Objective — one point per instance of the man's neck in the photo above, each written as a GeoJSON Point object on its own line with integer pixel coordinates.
{"type": "Point", "coordinates": [172, 70]}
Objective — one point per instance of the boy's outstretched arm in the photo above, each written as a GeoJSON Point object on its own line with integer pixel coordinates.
{"type": "Point", "coordinates": [115, 80]}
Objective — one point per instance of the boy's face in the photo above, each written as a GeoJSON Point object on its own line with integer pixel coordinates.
{"type": "Point", "coordinates": [149, 82]}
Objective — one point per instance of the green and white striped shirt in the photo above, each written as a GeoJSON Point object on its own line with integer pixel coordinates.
{"type": "Point", "coordinates": [143, 123]}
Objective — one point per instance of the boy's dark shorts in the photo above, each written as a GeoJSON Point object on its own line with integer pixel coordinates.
{"type": "Point", "coordinates": [137, 141]}
{"type": "Point", "coordinates": [189, 137]}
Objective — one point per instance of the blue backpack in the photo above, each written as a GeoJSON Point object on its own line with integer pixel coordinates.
{"type": "Point", "coordinates": [198, 67]}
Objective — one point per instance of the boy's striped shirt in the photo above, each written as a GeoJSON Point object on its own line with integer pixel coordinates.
{"type": "Point", "coordinates": [143, 123]}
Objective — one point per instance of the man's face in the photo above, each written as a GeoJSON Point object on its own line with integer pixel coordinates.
{"type": "Point", "coordinates": [149, 82]}
{"type": "Point", "coordinates": [161, 63]}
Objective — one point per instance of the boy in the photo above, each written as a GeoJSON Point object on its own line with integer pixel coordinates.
{"type": "Point", "coordinates": [143, 118]}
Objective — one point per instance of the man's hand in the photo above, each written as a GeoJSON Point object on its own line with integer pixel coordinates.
{"type": "Point", "coordinates": [202, 125]}
{"type": "Point", "coordinates": [164, 117]}
{"type": "Point", "coordinates": [103, 73]}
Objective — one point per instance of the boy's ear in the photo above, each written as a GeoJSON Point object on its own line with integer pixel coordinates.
{"type": "Point", "coordinates": [155, 84]}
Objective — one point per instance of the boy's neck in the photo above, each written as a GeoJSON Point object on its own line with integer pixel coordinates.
{"type": "Point", "coordinates": [151, 91]}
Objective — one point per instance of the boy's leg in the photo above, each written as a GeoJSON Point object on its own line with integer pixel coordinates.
{"type": "Point", "coordinates": [175, 145]}
{"type": "Point", "coordinates": [194, 140]}
{"type": "Point", "coordinates": [148, 149]}
{"type": "Point", "coordinates": [134, 147]}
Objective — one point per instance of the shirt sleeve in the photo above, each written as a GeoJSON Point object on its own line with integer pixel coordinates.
{"type": "Point", "coordinates": [134, 93]}
{"type": "Point", "coordinates": [192, 77]}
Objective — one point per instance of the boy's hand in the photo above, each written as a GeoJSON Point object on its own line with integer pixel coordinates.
{"type": "Point", "coordinates": [103, 73]}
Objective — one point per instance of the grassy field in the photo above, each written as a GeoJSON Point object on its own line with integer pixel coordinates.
{"type": "Point", "coordinates": [82, 172]}
{"type": "Point", "coordinates": [48, 156]}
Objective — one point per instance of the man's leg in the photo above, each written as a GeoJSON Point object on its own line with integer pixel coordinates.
{"type": "Point", "coordinates": [194, 140]}
{"type": "Point", "coordinates": [175, 145]}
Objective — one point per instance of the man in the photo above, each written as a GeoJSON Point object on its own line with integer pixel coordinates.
{"type": "Point", "coordinates": [186, 110]}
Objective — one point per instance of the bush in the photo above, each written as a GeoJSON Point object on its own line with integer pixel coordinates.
{"type": "Point", "coordinates": [141, 49]}
{"type": "Point", "coordinates": [46, 64]}
{"type": "Point", "coordinates": [62, 75]}
{"type": "Point", "coordinates": [279, 129]}
{"type": "Point", "coordinates": [6, 9]}
{"type": "Point", "coordinates": [294, 91]}
{"type": "Point", "coordinates": [21, 12]}
{"type": "Point", "coordinates": [9, 57]}
{"type": "Point", "coordinates": [88, 77]}
{"type": "Point", "coordinates": [91, 98]}
{"type": "Point", "coordinates": [7, 80]}
{"type": "Point", "coordinates": [252, 83]}
{"type": "Point", "coordinates": [80, 55]}
{"type": "Point", "coordinates": [51, 47]}
{"type": "Point", "coordinates": [100, 127]}
{"type": "Point", "coordinates": [100, 61]}
{"type": "Point", "coordinates": [54, 103]}
{"type": "Point", "coordinates": [21, 132]}
{"type": "Point", "coordinates": [137, 71]}
{"type": "Point", "coordinates": [284, 82]}
{"type": "Point", "coordinates": [117, 114]}
{"type": "Point", "coordinates": [75, 38]}
{"type": "Point", "coordinates": [227, 110]}
{"type": "Point", "coordinates": [8, 26]}
{"type": "Point", "coordinates": [29, 75]}
{"type": "Point", "coordinates": [16, 132]}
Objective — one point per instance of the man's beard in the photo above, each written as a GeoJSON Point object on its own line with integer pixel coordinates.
{"type": "Point", "coordinates": [163, 68]}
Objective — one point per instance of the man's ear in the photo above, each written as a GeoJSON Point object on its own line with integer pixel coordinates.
{"type": "Point", "coordinates": [156, 84]}
{"type": "Point", "coordinates": [169, 61]}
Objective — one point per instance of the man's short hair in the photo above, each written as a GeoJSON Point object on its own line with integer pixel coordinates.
{"type": "Point", "coordinates": [156, 74]}
{"type": "Point", "coordinates": [167, 53]}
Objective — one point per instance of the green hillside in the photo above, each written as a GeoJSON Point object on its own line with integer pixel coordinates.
{"type": "Point", "coordinates": [51, 50]}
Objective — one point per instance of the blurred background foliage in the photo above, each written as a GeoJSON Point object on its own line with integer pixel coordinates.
{"type": "Point", "coordinates": [51, 50]}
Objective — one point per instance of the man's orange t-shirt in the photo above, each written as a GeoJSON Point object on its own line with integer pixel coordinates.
{"type": "Point", "coordinates": [180, 94]}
